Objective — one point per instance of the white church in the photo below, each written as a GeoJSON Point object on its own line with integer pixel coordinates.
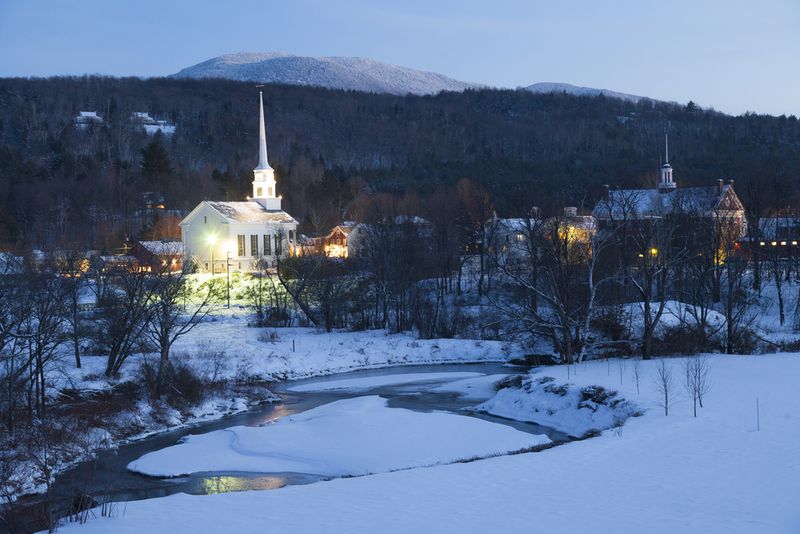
{"type": "Point", "coordinates": [235, 235]}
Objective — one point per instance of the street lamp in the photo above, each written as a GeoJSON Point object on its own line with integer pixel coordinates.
{"type": "Point", "coordinates": [228, 251]}
{"type": "Point", "coordinates": [211, 239]}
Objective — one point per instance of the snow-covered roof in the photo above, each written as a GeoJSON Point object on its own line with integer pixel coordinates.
{"type": "Point", "coordinates": [779, 227]}
{"type": "Point", "coordinates": [141, 116]}
{"type": "Point", "coordinates": [163, 248]}
{"type": "Point", "coordinates": [249, 212]}
{"type": "Point", "coordinates": [622, 204]}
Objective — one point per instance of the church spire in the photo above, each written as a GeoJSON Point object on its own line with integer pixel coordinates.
{"type": "Point", "coordinates": [264, 188]}
{"type": "Point", "coordinates": [666, 184]}
{"type": "Point", "coordinates": [263, 164]}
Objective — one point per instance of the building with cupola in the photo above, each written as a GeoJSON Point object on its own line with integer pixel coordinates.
{"type": "Point", "coordinates": [241, 235]}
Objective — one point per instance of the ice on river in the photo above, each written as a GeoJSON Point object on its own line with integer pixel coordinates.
{"type": "Point", "coordinates": [370, 382]}
{"type": "Point", "coordinates": [348, 437]}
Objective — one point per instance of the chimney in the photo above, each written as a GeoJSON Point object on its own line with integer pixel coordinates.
{"type": "Point", "coordinates": [534, 213]}
{"type": "Point", "coordinates": [570, 211]}
{"type": "Point", "coordinates": [605, 191]}
{"type": "Point", "coordinates": [730, 182]}
{"type": "Point", "coordinates": [719, 186]}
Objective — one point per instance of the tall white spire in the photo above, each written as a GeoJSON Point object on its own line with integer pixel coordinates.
{"type": "Point", "coordinates": [263, 164]}
{"type": "Point", "coordinates": [666, 184]}
{"type": "Point", "coordinates": [264, 187]}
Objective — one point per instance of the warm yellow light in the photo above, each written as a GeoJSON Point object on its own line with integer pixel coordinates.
{"type": "Point", "coordinates": [762, 243]}
{"type": "Point", "coordinates": [774, 243]}
{"type": "Point", "coordinates": [211, 238]}
{"type": "Point", "coordinates": [783, 243]}
{"type": "Point", "coordinates": [641, 255]}
{"type": "Point", "coordinates": [654, 251]}
{"type": "Point", "coordinates": [794, 243]}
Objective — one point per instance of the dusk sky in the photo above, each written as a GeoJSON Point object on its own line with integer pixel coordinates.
{"type": "Point", "coordinates": [734, 55]}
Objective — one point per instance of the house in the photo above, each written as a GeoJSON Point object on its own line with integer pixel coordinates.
{"type": "Point", "coordinates": [508, 238]}
{"type": "Point", "coordinates": [342, 240]}
{"type": "Point", "coordinates": [159, 256]}
{"type": "Point", "coordinates": [775, 236]}
{"type": "Point", "coordinates": [151, 125]}
{"type": "Point", "coordinates": [241, 235]}
{"type": "Point", "coordinates": [86, 119]}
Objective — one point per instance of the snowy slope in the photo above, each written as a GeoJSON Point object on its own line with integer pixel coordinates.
{"type": "Point", "coordinates": [554, 87]}
{"type": "Point", "coordinates": [351, 73]}
{"type": "Point", "coordinates": [716, 473]}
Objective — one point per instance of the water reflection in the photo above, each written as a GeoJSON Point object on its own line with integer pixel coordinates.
{"type": "Point", "coordinates": [226, 483]}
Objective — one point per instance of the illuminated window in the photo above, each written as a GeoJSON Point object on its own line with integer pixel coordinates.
{"type": "Point", "coordinates": [240, 245]}
{"type": "Point", "coordinates": [254, 246]}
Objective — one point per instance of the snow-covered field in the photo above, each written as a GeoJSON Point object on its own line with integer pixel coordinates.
{"type": "Point", "coordinates": [725, 471]}
{"type": "Point", "coordinates": [356, 436]}
{"type": "Point", "coordinates": [225, 343]}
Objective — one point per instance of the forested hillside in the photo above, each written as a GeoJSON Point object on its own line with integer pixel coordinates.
{"type": "Point", "coordinates": [336, 152]}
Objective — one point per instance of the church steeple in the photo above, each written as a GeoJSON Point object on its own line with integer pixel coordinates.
{"type": "Point", "coordinates": [263, 164]}
{"type": "Point", "coordinates": [666, 183]}
{"type": "Point", "coordinates": [264, 190]}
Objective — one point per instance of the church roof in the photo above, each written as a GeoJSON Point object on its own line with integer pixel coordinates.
{"type": "Point", "coordinates": [249, 212]}
{"type": "Point", "coordinates": [642, 203]}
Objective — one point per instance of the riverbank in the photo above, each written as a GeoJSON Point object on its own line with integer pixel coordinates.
{"type": "Point", "coordinates": [728, 470]}
{"type": "Point", "coordinates": [235, 366]}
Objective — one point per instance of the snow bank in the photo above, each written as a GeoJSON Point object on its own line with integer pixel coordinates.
{"type": "Point", "coordinates": [305, 352]}
{"type": "Point", "coordinates": [348, 437]}
{"type": "Point", "coordinates": [712, 474]}
{"type": "Point", "coordinates": [565, 407]}
{"type": "Point", "coordinates": [481, 387]}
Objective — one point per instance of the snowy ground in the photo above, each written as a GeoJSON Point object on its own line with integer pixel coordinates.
{"type": "Point", "coordinates": [348, 437]}
{"type": "Point", "coordinates": [715, 473]}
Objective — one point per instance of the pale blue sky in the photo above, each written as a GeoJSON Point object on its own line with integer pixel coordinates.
{"type": "Point", "coordinates": [734, 55]}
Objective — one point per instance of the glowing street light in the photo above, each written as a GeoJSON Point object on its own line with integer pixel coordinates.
{"type": "Point", "coordinates": [211, 239]}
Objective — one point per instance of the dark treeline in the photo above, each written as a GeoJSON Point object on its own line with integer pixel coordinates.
{"type": "Point", "coordinates": [334, 150]}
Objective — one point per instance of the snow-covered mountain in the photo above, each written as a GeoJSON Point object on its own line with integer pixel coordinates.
{"type": "Point", "coordinates": [552, 87]}
{"type": "Point", "coordinates": [353, 73]}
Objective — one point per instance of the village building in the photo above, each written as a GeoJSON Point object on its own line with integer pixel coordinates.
{"type": "Point", "coordinates": [150, 125]}
{"type": "Point", "coordinates": [85, 119]}
{"type": "Point", "coordinates": [700, 209]}
{"type": "Point", "coordinates": [159, 256]}
{"type": "Point", "coordinates": [243, 235]}
{"type": "Point", "coordinates": [342, 240]}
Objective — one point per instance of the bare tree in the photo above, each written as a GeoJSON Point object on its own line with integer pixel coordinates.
{"type": "Point", "coordinates": [665, 385]}
{"type": "Point", "coordinates": [637, 373]}
{"type": "Point", "coordinates": [123, 316]}
{"type": "Point", "coordinates": [168, 319]}
{"type": "Point", "coordinates": [696, 380]}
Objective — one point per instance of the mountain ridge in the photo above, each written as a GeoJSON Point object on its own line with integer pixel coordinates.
{"type": "Point", "coordinates": [335, 72]}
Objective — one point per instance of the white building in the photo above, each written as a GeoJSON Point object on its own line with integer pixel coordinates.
{"type": "Point", "coordinates": [217, 235]}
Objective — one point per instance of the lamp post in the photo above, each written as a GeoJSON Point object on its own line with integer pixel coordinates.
{"type": "Point", "coordinates": [228, 250]}
{"type": "Point", "coordinates": [212, 239]}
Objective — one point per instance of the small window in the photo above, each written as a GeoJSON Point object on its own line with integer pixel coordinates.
{"type": "Point", "coordinates": [269, 192]}
{"type": "Point", "coordinates": [267, 247]}
{"type": "Point", "coordinates": [240, 247]}
{"type": "Point", "coordinates": [205, 219]}
{"type": "Point", "coordinates": [291, 236]}
{"type": "Point", "coordinates": [278, 245]}
{"type": "Point", "coordinates": [254, 246]}
{"type": "Point", "coordinates": [260, 192]}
